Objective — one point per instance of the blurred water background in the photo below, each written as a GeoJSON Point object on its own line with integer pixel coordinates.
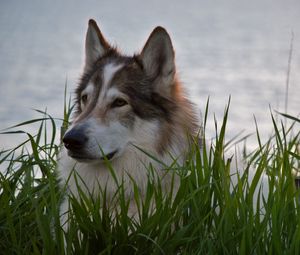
{"type": "Point", "coordinates": [223, 48]}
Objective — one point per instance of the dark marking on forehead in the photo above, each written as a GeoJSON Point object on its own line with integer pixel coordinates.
{"type": "Point", "coordinates": [132, 80]}
{"type": "Point", "coordinates": [145, 101]}
{"type": "Point", "coordinates": [96, 69]}
{"type": "Point", "coordinates": [95, 75]}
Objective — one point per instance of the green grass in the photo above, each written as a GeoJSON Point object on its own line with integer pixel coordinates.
{"type": "Point", "coordinates": [210, 213]}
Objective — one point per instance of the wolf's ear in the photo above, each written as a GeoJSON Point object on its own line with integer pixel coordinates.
{"type": "Point", "coordinates": [158, 59]}
{"type": "Point", "coordinates": [95, 44]}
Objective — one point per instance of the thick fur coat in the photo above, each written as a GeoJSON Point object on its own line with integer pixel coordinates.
{"type": "Point", "coordinates": [126, 107]}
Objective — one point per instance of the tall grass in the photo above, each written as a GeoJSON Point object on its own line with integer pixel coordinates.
{"type": "Point", "coordinates": [215, 211]}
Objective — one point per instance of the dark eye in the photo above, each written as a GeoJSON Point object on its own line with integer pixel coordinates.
{"type": "Point", "coordinates": [84, 98]}
{"type": "Point", "coordinates": [119, 102]}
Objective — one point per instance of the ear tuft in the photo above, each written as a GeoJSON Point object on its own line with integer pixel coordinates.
{"type": "Point", "coordinates": [158, 58]}
{"type": "Point", "coordinates": [95, 44]}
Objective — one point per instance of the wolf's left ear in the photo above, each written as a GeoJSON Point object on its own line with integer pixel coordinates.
{"type": "Point", "coordinates": [95, 44]}
{"type": "Point", "coordinates": [158, 60]}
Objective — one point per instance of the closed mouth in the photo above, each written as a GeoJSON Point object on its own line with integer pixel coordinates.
{"type": "Point", "coordinates": [109, 156]}
{"type": "Point", "coordinates": [82, 157]}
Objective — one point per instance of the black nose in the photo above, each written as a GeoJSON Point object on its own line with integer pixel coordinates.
{"type": "Point", "coordinates": [74, 139]}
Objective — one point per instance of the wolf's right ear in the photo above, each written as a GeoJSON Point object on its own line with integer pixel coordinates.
{"type": "Point", "coordinates": [95, 44]}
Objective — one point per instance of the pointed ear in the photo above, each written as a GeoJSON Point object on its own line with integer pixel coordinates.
{"type": "Point", "coordinates": [158, 59]}
{"type": "Point", "coordinates": [95, 44]}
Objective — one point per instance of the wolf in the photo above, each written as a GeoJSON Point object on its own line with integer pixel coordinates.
{"type": "Point", "coordinates": [127, 108]}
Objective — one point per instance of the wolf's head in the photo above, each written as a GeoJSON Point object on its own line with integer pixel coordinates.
{"type": "Point", "coordinates": [124, 101]}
